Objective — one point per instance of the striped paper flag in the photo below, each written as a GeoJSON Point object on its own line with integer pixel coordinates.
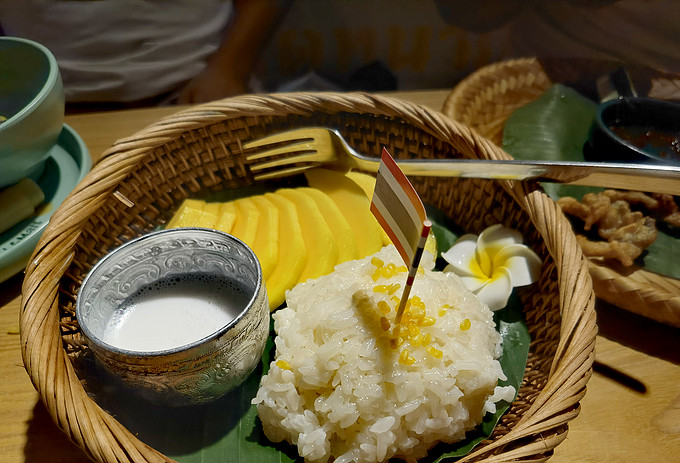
{"type": "Point", "coordinates": [401, 213]}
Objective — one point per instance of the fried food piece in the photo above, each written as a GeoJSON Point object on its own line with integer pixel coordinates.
{"type": "Point", "coordinates": [673, 219]}
{"type": "Point", "coordinates": [618, 215]}
{"type": "Point", "coordinates": [662, 207]}
{"type": "Point", "coordinates": [641, 233]}
{"type": "Point", "coordinates": [668, 210]}
{"type": "Point", "coordinates": [593, 208]}
{"type": "Point", "coordinates": [622, 251]}
{"type": "Point", "coordinates": [626, 233]}
{"type": "Point", "coordinates": [633, 197]}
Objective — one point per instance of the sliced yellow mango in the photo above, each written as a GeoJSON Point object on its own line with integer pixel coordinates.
{"type": "Point", "coordinates": [322, 250]}
{"type": "Point", "coordinates": [247, 220]}
{"type": "Point", "coordinates": [188, 214]}
{"type": "Point", "coordinates": [338, 224]}
{"type": "Point", "coordinates": [266, 244]}
{"type": "Point", "coordinates": [367, 183]}
{"type": "Point", "coordinates": [354, 205]}
{"type": "Point", "coordinates": [292, 251]}
{"type": "Point", "coordinates": [209, 215]}
{"type": "Point", "coordinates": [227, 217]}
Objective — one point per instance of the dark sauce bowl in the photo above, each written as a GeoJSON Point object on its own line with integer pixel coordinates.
{"type": "Point", "coordinates": [643, 130]}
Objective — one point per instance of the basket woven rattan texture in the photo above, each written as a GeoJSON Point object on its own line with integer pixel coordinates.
{"type": "Point", "coordinates": [484, 101]}
{"type": "Point", "coordinates": [142, 179]}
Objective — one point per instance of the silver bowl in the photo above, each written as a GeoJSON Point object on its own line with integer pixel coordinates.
{"type": "Point", "coordinates": [180, 316]}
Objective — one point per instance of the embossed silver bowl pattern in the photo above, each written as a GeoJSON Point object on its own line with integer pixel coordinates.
{"type": "Point", "coordinates": [204, 369]}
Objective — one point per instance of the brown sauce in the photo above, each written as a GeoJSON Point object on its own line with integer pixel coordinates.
{"type": "Point", "coordinates": [664, 144]}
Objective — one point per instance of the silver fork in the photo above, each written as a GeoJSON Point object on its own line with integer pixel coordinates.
{"type": "Point", "coordinates": [292, 152]}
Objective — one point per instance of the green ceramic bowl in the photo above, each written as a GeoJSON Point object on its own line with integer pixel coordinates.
{"type": "Point", "coordinates": [32, 101]}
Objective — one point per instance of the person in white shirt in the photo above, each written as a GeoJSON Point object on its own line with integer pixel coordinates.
{"type": "Point", "coordinates": [147, 51]}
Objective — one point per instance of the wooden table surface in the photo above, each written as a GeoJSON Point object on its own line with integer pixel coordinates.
{"type": "Point", "coordinates": [630, 413]}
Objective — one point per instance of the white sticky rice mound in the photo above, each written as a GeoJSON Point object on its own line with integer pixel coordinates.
{"type": "Point", "coordinates": [342, 394]}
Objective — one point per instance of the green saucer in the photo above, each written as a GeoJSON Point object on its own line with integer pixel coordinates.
{"type": "Point", "coordinates": [68, 162]}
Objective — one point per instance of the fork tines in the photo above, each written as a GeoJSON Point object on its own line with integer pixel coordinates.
{"type": "Point", "coordinates": [277, 151]}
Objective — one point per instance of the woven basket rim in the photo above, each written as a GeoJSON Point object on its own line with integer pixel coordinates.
{"type": "Point", "coordinates": [59, 386]}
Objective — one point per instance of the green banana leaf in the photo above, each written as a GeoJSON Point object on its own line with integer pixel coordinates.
{"type": "Point", "coordinates": [516, 339]}
{"type": "Point", "coordinates": [229, 429]}
{"type": "Point", "coordinates": [555, 127]}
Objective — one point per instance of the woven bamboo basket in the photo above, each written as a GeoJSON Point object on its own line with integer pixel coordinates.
{"type": "Point", "coordinates": [484, 101]}
{"type": "Point", "coordinates": [142, 179]}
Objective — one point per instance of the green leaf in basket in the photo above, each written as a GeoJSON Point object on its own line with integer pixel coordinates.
{"type": "Point", "coordinates": [516, 339]}
{"type": "Point", "coordinates": [245, 441]}
{"type": "Point", "coordinates": [443, 229]}
{"type": "Point", "coordinates": [552, 127]}
{"type": "Point", "coordinates": [663, 255]}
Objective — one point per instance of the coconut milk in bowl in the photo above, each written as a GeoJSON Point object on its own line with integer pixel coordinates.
{"type": "Point", "coordinates": [181, 316]}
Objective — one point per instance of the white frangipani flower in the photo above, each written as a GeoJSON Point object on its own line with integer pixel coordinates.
{"type": "Point", "coordinates": [492, 263]}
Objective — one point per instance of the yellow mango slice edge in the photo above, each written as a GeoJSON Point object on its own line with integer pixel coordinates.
{"type": "Point", "coordinates": [292, 251]}
{"type": "Point", "coordinates": [322, 249]}
{"type": "Point", "coordinates": [354, 205]}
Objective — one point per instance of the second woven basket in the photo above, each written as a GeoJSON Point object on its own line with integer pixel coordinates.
{"type": "Point", "coordinates": [484, 101]}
